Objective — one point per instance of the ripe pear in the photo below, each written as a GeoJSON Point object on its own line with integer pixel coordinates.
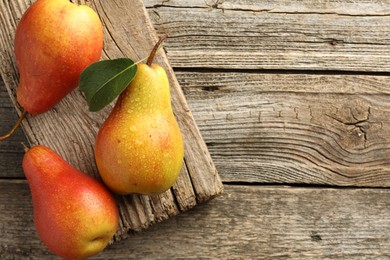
{"type": "Point", "coordinates": [74, 214]}
{"type": "Point", "coordinates": [55, 41]}
{"type": "Point", "coordinates": [139, 148]}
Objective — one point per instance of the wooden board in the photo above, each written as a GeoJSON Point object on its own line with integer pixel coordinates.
{"type": "Point", "coordinates": [11, 150]}
{"type": "Point", "coordinates": [319, 129]}
{"type": "Point", "coordinates": [257, 220]}
{"type": "Point", "coordinates": [249, 222]}
{"type": "Point", "coordinates": [70, 129]}
{"type": "Point", "coordinates": [283, 128]}
{"type": "Point", "coordinates": [292, 35]}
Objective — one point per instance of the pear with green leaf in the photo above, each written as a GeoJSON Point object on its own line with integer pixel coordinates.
{"type": "Point", "coordinates": [139, 148]}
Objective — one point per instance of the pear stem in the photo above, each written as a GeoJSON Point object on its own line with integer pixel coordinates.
{"type": "Point", "coordinates": [25, 147]}
{"type": "Point", "coordinates": [155, 49]}
{"type": "Point", "coordinates": [5, 137]}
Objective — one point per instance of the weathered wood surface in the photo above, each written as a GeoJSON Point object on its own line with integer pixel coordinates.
{"type": "Point", "coordinates": [294, 128]}
{"type": "Point", "coordinates": [11, 151]}
{"type": "Point", "coordinates": [245, 222]}
{"type": "Point", "coordinates": [317, 129]}
{"type": "Point", "coordinates": [295, 35]}
{"type": "Point", "coordinates": [325, 125]}
{"type": "Point", "coordinates": [70, 129]}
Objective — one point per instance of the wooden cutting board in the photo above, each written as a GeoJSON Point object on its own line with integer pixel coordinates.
{"type": "Point", "coordinates": [70, 129]}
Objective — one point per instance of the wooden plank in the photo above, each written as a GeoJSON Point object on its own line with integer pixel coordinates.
{"type": "Point", "coordinates": [310, 35]}
{"type": "Point", "coordinates": [11, 150]}
{"type": "Point", "coordinates": [245, 222]}
{"type": "Point", "coordinates": [357, 8]}
{"type": "Point", "coordinates": [361, 7]}
{"type": "Point", "coordinates": [70, 129]}
{"type": "Point", "coordinates": [294, 128]}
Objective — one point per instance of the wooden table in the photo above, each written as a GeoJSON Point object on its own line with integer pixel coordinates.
{"type": "Point", "coordinates": [292, 99]}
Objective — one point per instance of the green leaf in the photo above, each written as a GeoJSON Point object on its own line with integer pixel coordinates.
{"type": "Point", "coordinates": [104, 80]}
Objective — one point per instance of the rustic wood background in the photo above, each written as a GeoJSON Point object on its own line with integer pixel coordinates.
{"type": "Point", "coordinates": [292, 99]}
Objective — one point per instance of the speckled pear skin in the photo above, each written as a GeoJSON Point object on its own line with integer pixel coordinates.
{"type": "Point", "coordinates": [139, 148]}
{"type": "Point", "coordinates": [74, 214]}
{"type": "Point", "coordinates": [55, 41]}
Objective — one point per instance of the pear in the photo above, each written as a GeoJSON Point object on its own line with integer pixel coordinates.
{"type": "Point", "coordinates": [55, 41]}
{"type": "Point", "coordinates": [139, 148]}
{"type": "Point", "coordinates": [74, 214]}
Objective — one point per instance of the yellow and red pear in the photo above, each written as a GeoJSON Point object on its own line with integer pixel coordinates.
{"type": "Point", "coordinates": [55, 41]}
{"type": "Point", "coordinates": [139, 148]}
{"type": "Point", "coordinates": [74, 214]}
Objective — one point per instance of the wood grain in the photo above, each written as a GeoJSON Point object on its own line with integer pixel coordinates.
{"type": "Point", "coordinates": [245, 222]}
{"type": "Point", "coordinates": [361, 7]}
{"type": "Point", "coordinates": [293, 35]}
{"type": "Point", "coordinates": [70, 129]}
{"type": "Point", "coordinates": [261, 126]}
{"type": "Point", "coordinates": [11, 150]}
{"type": "Point", "coordinates": [294, 128]}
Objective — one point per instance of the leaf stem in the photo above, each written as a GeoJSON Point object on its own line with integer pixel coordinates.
{"type": "Point", "coordinates": [155, 49]}
{"type": "Point", "coordinates": [6, 136]}
{"type": "Point", "coordinates": [139, 61]}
